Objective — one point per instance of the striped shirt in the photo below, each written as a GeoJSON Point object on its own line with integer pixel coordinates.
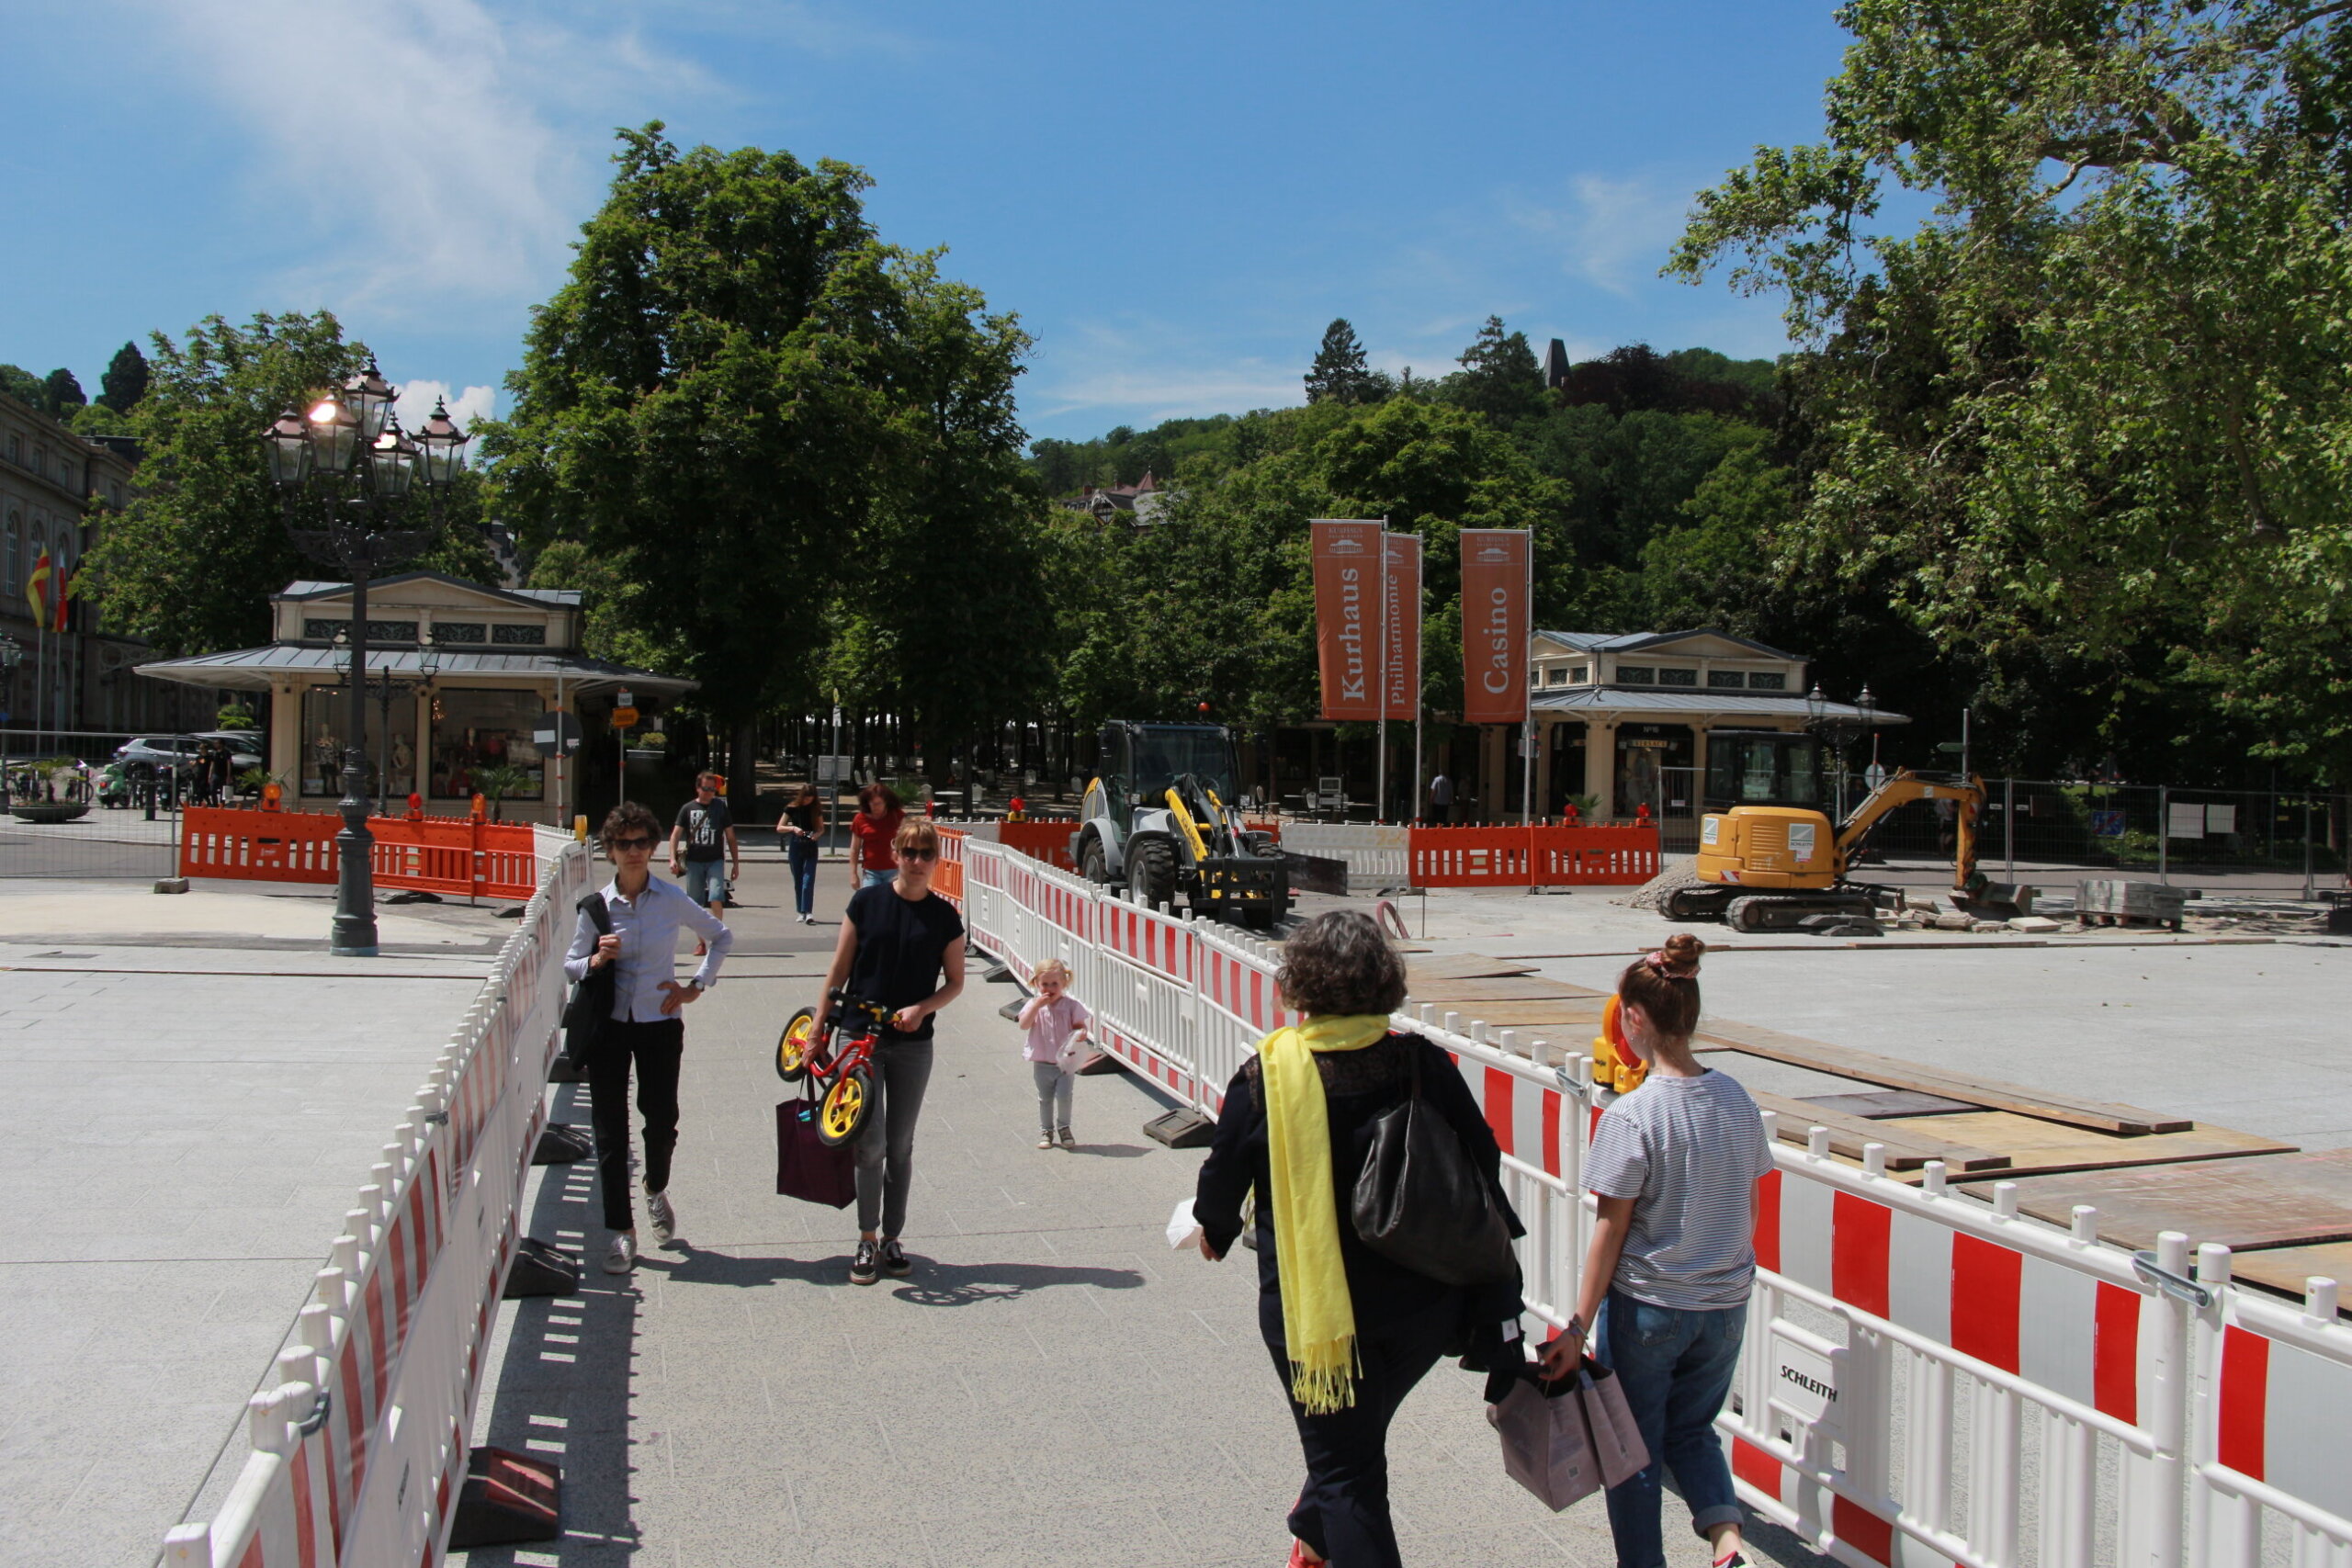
{"type": "Point", "coordinates": [1688, 1152]}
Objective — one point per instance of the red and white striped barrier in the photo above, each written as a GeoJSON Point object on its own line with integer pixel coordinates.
{"type": "Point", "coordinates": [2271, 1478]}
{"type": "Point", "coordinates": [359, 1450]}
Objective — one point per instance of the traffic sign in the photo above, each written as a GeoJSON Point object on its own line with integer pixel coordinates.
{"type": "Point", "coordinates": [557, 731]}
{"type": "Point", "coordinates": [624, 718]}
{"type": "Point", "coordinates": [623, 699]}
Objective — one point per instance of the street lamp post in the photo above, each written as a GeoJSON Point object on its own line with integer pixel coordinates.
{"type": "Point", "coordinates": [12, 653]}
{"type": "Point", "coordinates": [1839, 729]}
{"type": "Point", "coordinates": [344, 472]}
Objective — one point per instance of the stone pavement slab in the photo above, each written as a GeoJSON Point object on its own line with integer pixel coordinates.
{"type": "Point", "coordinates": [1052, 1385]}
{"type": "Point", "coordinates": [188, 1125]}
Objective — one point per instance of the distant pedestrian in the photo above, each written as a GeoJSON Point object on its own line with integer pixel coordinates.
{"type": "Point", "coordinates": [645, 1030]}
{"type": "Point", "coordinates": [875, 830]}
{"type": "Point", "coordinates": [802, 829]}
{"type": "Point", "coordinates": [1673, 1166]}
{"type": "Point", "coordinates": [1056, 1023]}
{"type": "Point", "coordinates": [703, 848]}
{"type": "Point", "coordinates": [899, 941]}
{"type": "Point", "coordinates": [1441, 799]}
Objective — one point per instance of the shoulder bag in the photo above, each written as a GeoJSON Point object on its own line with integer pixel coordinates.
{"type": "Point", "coordinates": [591, 1003]}
{"type": "Point", "coordinates": [1422, 1202]}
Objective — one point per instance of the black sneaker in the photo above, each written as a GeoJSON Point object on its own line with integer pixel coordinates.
{"type": "Point", "coordinates": [862, 1268]}
{"type": "Point", "coordinates": [894, 1257]}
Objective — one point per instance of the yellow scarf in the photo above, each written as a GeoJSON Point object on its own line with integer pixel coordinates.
{"type": "Point", "coordinates": [1318, 1318]}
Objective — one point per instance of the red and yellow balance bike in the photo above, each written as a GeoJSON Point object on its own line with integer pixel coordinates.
{"type": "Point", "coordinates": [841, 1064]}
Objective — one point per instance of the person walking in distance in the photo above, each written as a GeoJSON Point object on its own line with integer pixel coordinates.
{"type": "Point", "coordinates": [1675, 1165]}
{"type": "Point", "coordinates": [645, 1030]}
{"type": "Point", "coordinates": [875, 830]}
{"type": "Point", "coordinates": [703, 848]}
{"type": "Point", "coordinates": [898, 941]}
{"type": "Point", "coordinates": [1056, 1023]}
{"type": "Point", "coordinates": [802, 829]}
{"type": "Point", "coordinates": [1441, 799]}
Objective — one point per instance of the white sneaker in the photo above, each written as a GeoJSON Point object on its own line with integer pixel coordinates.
{"type": "Point", "coordinates": [623, 1256]}
{"type": "Point", "coordinates": [665, 1218]}
{"type": "Point", "coordinates": [1044, 1140]}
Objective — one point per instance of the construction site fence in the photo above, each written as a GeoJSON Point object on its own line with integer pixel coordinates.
{"type": "Point", "coordinates": [463, 856]}
{"type": "Point", "coordinates": [359, 1443]}
{"type": "Point", "coordinates": [1927, 1375]}
{"type": "Point", "coordinates": [1544, 854]}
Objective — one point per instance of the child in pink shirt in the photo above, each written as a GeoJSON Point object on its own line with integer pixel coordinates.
{"type": "Point", "coordinates": [1056, 1023]}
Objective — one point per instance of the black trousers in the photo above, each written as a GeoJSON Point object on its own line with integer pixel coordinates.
{"type": "Point", "coordinates": [656, 1048]}
{"type": "Point", "coordinates": [1342, 1511]}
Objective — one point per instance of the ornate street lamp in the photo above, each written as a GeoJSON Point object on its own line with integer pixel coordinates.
{"type": "Point", "coordinates": [345, 473]}
{"type": "Point", "coordinates": [12, 653]}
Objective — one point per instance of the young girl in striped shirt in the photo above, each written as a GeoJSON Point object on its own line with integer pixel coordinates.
{"type": "Point", "coordinates": [1674, 1164]}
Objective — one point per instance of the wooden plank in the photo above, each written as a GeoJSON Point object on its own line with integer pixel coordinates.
{"type": "Point", "coordinates": [1525, 989]}
{"type": "Point", "coordinates": [1890, 1104]}
{"type": "Point", "coordinates": [1906, 1150]}
{"type": "Point", "coordinates": [1572, 1014]}
{"type": "Point", "coordinates": [2099, 1116]}
{"type": "Point", "coordinates": [1463, 966]}
{"type": "Point", "coordinates": [2284, 1269]}
{"type": "Point", "coordinates": [2277, 1200]}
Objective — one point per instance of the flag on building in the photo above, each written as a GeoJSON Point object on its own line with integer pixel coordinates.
{"type": "Point", "coordinates": [44, 591]}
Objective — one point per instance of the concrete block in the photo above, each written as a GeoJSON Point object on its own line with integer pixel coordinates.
{"type": "Point", "coordinates": [2034, 925]}
{"type": "Point", "coordinates": [1952, 920]}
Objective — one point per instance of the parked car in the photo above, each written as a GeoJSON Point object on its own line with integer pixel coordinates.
{"type": "Point", "coordinates": [246, 746]}
{"type": "Point", "coordinates": [143, 756]}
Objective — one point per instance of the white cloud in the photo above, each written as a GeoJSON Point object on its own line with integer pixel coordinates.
{"type": "Point", "coordinates": [469, 408]}
{"type": "Point", "coordinates": [1616, 233]}
{"type": "Point", "coordinates": [425, 146]}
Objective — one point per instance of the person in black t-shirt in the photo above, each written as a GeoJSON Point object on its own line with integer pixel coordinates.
{"type": "Point", "coordinates": [703, 848]}
{"type": "Point", "coordinates": [899, 940]}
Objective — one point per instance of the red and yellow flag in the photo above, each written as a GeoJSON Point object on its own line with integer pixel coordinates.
{"type": "Point", "coordinates": [43, 593]}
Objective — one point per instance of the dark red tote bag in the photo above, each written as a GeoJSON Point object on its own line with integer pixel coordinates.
{"type": "Point", "coordinates": [805, 1167]}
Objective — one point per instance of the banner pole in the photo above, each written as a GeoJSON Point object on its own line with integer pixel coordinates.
{"type": "Point", "coordinates": [1526, 701]}
{"type": "Point", "coordinates": [1421, 625]}
{"type": "Point", "coordinates": [1380, 770]}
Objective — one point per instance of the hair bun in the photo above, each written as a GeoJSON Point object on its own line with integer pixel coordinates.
{"type": "Point", "coordinates": [1681, 952]}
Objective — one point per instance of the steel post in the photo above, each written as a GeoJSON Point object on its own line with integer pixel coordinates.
{"type": "Point", "coordinates": [353, 931]}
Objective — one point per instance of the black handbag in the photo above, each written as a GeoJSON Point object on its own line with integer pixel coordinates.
{"type": "Point", "coordinates": [590, 1005]}
{"type": "Point", "coordinates": [1421, 1201]}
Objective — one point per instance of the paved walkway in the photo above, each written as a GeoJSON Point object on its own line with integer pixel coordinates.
{"type": "Point", "coordinates": [1053, 1385]}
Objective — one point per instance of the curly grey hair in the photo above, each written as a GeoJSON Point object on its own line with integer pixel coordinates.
{"type": "Point", "coordinates": [1338, 964]}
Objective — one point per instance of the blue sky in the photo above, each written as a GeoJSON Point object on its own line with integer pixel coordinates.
{"type": "Point", "coordinates": [1175, 198]}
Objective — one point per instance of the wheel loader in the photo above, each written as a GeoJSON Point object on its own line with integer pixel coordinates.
{"type": "Point", "coordinates": [1156, 820]}
{"type": "Point", "coordinates": [1768, 855]}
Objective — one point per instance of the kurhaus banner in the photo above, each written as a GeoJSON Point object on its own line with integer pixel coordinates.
{"type": "Point", "coordinates": [1347, 615]}
{"type": "Point", "coordinates": [1494, 624]}
{"type": "Point", "coordinates": [1401, 675]}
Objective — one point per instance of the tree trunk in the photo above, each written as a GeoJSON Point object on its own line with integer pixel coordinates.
{"type": "Point", "coordinates": [744, 771]}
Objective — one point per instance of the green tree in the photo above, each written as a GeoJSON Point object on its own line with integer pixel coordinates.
{"type": "Point", "coordinates": [190, 564]}
{"type": "Point", "coordinates": [124, 381]}
{"type": "Point", "coordinates": [1500, 377]}
{"type": "Point", "coordinates": [2090, 414]}
{"type": "Point", "coordinates": [1339, 374]}
{"type": "Point", "coordinates": [23, 386]}
{"type": "Point", "coordinates": [61, 394]}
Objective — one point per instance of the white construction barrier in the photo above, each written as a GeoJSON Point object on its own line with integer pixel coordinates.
{"type": "Point", "coordinates": [360, 1448]}
{"type": "Point", "coordinates": [1378, 854]}
{"type": "Point", "coordinates": [1927, 1376]}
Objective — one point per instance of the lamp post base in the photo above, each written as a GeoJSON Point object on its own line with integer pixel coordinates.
{"type": "Point", "coordinates": [352, 952]}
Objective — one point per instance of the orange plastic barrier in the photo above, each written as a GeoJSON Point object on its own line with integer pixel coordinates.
{"type": "Point", "coordinates": [1047, 841]}
{"type": "Point", "coordinates": [1541, 856]}
{"type": "Point", "coordinates": [947, 881]}
{"type": "Point", "coordinates": [435, 854]}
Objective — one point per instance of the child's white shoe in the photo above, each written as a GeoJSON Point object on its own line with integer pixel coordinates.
{"type": "Point", "coordinates": [1069, 1141]}
{"type": "Point", "coordinates": [1044, 1140]}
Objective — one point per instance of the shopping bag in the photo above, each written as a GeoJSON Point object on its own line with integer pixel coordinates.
{"type": "Point", "coordinates": [1609, 1420]}
{"type": "Point", "coordinates": [1546, 1446]}
{"type": "Point", "coordinates": [805, 1167]}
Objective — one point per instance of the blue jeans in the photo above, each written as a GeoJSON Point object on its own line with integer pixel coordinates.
{"type": "Point", "coordinates": [706, 881]}
{"type": "Point", "coordinates": [1675, 1367]}
{"type": "Point", "coordinates": [870, 878]}
{"type": "Point", "coordinates": [802, 855]}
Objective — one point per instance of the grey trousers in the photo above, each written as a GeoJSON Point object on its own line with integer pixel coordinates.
{"type": "Point", "coordinates": [1054, 1084]}
{"type": "Point", "coordinates": [885, 1149]}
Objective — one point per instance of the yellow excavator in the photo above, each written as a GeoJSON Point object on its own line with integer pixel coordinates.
{"type": "Point", "coordinates": [1770, 859]}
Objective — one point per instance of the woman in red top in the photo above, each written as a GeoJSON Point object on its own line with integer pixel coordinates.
{"type": "Point", "coordinates": [879, 812]}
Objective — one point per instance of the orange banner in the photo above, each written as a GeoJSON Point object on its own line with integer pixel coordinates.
{"type": "Point", "coordinates": [1495, 587]}
{"type": "Point", "coordinates": [1347, 615]}
{"type": "Point", "coordinates": [1401, 667]}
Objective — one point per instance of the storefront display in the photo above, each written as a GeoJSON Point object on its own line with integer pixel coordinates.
{"type": "Point", "coordinates": [477, 729]}
{"type": "Point", "coordinates": [325, 709]}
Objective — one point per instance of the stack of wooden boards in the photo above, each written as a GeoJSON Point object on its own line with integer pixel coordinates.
{"type": "Point", "coordinates": [2289, 1214]}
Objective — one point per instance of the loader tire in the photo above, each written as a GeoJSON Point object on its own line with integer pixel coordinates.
{"type": "Point", "coordinates": [1151, 871]}
{"type": "Point", "coordinates": [1093, 864]}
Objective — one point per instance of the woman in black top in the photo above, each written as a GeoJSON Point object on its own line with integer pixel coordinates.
{"type": "Point", "coordinates": [1339, 971]}
{"type": "Point", "coordinates": [899, 939]}
{"type": "Point", "coordinates": [802, 829]}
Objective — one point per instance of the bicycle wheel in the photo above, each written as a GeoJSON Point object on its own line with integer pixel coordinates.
{"type": "Point", "coordinates": [793, 1046]}
{"type": "Point", "coordinates": [842, 1113]}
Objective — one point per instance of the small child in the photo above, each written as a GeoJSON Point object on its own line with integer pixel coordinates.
{"type": "Point", "coordinates": [1055, 1021]}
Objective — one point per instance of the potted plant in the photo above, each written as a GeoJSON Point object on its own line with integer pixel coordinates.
{"type": "Point", "coordinates": [496, 783]}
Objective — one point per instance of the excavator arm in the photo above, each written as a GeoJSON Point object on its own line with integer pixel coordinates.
{"type": "Point", "coordinates": [1968, 794]}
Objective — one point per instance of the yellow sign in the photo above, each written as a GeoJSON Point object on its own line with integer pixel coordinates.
{"type": "Point", "coordinates": [625, 718]}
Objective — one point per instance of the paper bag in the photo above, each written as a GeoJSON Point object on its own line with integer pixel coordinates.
{"type": "Point", "coordinates": [1609, 1420]}
{"type": "Point", "coordinates": [1182, 1227]}
{"type": "Point", "coordinates": [1546, 1447]}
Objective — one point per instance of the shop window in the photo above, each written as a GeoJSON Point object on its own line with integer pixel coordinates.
{"type": "Point", "coordinates": [477, 729]}
{"type": "Point", "coordinates": [446, 633]}
{"type": "Point", "coordinates": [1726, 680]}
{"type": "Point", "coordinates": [1670, 676]}
{"type": "Point", "coordinates": [532, 636]}
{"type": "Point", "coordinates": [1763, 682]}
{"type": "Point", "coordinates": [382, 632]}
{"type": "Point", "coordinates": [390, 771]}
{"type": "Point", "coordinates": [1636, 676]}
{"type": "Point", "coordinates": [8, 541]}
{"type": "Point", "coordinates": [322, 631]}
{"type": "Point", "coordinates": [1555, 676]}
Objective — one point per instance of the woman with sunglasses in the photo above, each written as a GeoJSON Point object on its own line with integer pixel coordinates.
{"type": "Point", "coordinates": [899, 939]}
{"type": "Point", "coordinates": [645, 914]}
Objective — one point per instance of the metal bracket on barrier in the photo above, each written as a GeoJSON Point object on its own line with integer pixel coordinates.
{"type": "Point", "coordinates": [436, 1118]}
{"type": "Point", "coordinates": [317, 1415]}
{"type": "Point", "coordinates": [2178, 1286]}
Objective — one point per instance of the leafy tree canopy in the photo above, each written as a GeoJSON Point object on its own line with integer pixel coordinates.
{"type": "Point", "coordinates": [124, 381]}
{"type": "Point", "coordinates": [1339, 374]}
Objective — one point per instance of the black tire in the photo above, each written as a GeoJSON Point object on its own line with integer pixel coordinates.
{"type": "Point", "coordinates": [1093, 864]}
{"type": "Point", "coordinates": [795, 1045]}
{"type": "Point", "coordinates": [1152, 870]}
{"type": "Point", "coordinates": [842, 1114]}
{"type": "Point", "coordinates": [1749, 915]}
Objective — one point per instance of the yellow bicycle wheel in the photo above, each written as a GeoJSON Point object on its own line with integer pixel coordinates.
{"type": "Point", "coordinates": [793, 1046]}
{"type": "Point", "coordinates": [844, 1109]}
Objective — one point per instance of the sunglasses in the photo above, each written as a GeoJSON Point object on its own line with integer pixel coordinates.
{"type": "Point", "coordinates": [636, 843]}
{"type": "Point", "coordinates": [918, 854]}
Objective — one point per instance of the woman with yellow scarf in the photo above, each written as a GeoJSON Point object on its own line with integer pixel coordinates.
{"type": "Point", "coordinates": [1352, 1332]}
